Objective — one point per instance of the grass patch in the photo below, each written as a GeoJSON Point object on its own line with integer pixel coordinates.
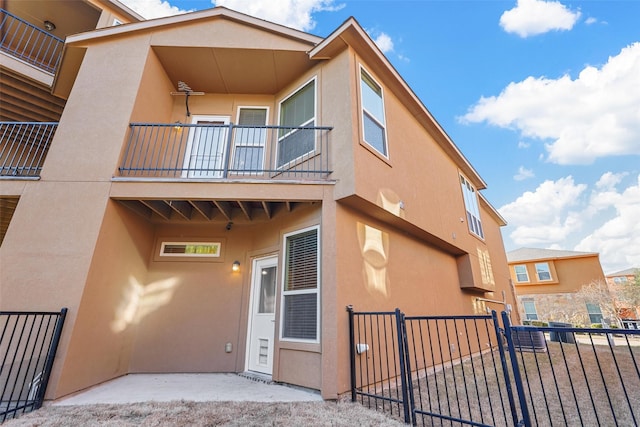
{"type": "Point", "coordinates": [201, 414]}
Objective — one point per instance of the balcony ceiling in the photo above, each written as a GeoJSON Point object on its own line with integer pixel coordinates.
{"type": "Point", "coordinates": [23, 100]}
{"type": "Point", "coordinates": [210, 211]}
{"type": "Point", "coordinates": [69, 17]}
{"type": "Point", "coordinates": [228, 70]}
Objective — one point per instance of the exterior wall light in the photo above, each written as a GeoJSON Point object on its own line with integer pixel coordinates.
{"type": "Point", "coordinates": [236, 266]}
{"type": "Point", "coordinates": [177, 126]}
{"type": "Point", "coordinates": [50, 26]}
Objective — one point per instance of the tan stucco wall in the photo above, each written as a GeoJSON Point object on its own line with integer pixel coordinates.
{"type": "Point", "coordinates": [102, 335]}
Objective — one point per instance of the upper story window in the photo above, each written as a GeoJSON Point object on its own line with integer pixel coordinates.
{"type": "Point", "coordinates": [250, 138]}
{"type": "Point", "coordinates": [298, 110]}
{"type": "Point", "coordinates": [620, 280]}
{"type": "Point", "coordinates": [543, 271]}
{"type": "Point", "coordinates": [521, 273]}
{"type": "Point", "coordinates": [373, 121]}
{"type": "Point", "coordinates": [471, 205]}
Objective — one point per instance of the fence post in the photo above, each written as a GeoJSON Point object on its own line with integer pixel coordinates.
{"type": "Point", "coordinates": [516, 371]}
{"type": "Point", "coordinates": [405, 370]}
{"type": "Point", "coordinates": [51, 355]}
{"type": "Point", "coordinates": [505, 368]}
{"type": "Point", "coordinates": [352, 353]}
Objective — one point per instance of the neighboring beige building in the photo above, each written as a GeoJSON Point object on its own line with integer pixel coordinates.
{"type": "Point", "coordinates": [629, 313]}
{"type": "Point", "coordinates": [546, 282]}
{"type": "Point", "coordinates": [219, 188]}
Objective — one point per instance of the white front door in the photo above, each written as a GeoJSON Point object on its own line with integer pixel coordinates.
{"type": "Point", "coordinates": [262, 315]}
{"type": "Point", "coordinates": [204, 156]}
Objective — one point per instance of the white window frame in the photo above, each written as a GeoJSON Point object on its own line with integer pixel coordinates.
{"type": "Point", "coordinates": [285, 293]}
{"type": "Point", "coordinates": [370, 115]}
{"type": "Point", "coordinates": [264, 142]}
{"type": "Point", "coordinates": [526, 313]}
{"type": "Point", "coordinates": [548, 270]}
{"type": "Point", "coordinates": [526, 273]}
{"type": "Point", "coordinates": [472, 207]}
{"type": "Point", "coordinates": [594, 313]}
{"type": "Point", "coordinates": [314, 120]}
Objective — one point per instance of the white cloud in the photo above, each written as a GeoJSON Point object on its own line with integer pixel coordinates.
{"type": "Point", "coordinates": [532, 17]}
{"type": "Point", "coordinates": [617, 240]}
{"type": "Point", "coordinates": [545, 216]}
{"type": "Point", "coordinates": [595, 115]}
{"type": "Point", "coordinates": [384, 42]}
{"type": "Point", "coordinates": [559, 212]}
{"type": "Point", "coordinates": [590, 20]}
{"type": "Point", "coordinates": [292, 13]}
{"type": "Point", "coordinates": [523, 173]}
{"type": "Point", "coordinates": [150, 9]}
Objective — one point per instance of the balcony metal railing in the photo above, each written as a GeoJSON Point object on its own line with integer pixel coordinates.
{"type": "Point", "coordinates": [29, 43]}
{"type": "Point", "coordinates": [190, 151]}
{"type": "Point", "coordinates": [24, 146]}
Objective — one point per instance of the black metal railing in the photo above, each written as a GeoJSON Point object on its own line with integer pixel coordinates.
{"type": "Point", "coordinates": [467, 370]}
{"type": "Point", "coordinates": [29, 43]}
{"type": "Point", "coordinates": [28, 345]}
{"type": "Point", "coordinates": [199, 151]}
{"type": "Point", "coordinates": [578, 376]}
{"type": "Point", "coordinates": [24, 147]}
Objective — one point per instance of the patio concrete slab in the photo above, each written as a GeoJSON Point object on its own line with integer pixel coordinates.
{"type": "Point", "coordinates": [135, 388]}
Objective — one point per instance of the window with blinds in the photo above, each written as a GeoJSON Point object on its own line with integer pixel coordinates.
{"type": "Point", "coordinates": [298, 110]}
{"type": "Point", "coordinates": [300, 289]}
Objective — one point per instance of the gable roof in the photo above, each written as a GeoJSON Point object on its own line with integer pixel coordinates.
{"type": "Point", "coordinates": [534, 254]}
{"type": "Point", "coordinates": [349, 34]}
{"type": "Point", "coordinates": [628, 272]}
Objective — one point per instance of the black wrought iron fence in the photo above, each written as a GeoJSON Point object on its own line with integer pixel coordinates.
{"type": "Point", "coordinates": [29, 43]}
{"type": "Point", "coordinates": [28, 345]}
{"type": "Point", "coordinates": [214, 151]}
{"type": "Point", "coordinates": [578, 376]}
{"type": "Point", "coordinates": [24, 147]}
{"type": "Point", "coordinates": [468, 370]}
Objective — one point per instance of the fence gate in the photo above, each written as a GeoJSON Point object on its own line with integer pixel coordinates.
{"type": "Point", "coordinates": [432, 370]}
{"type": "Point", "coordinates": [28, 344]}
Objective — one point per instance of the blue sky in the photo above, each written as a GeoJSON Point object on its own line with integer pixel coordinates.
{"type": "Point", "coordinates": [542, 97]}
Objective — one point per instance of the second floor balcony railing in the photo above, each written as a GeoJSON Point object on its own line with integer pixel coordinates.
{"type": "Point", "coordinates": [29, 43]}
{"type": "Point", "coordinates": [23, 147]}
{"type": "Point", "coordinates": [199, 151]}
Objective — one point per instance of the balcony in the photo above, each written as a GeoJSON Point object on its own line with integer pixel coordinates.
{"type": "Point", "coordinates": [23, 147]}
{"type": "Point", "coordinates": [225, 152]}
{"type": "Point", "coordinates": [29, 43]}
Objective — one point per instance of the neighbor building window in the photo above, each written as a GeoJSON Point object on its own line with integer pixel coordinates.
{"type": "Point", "coordinates": [521, 273]}
{"type": "Point", "coordinates": [298, 110]}
{"type": "Point", "coordinates": [543, 271]}
{"type": "Point", "coordinates": [249, 139]}
{"type": "Point", "coordinates": [300, 289]}
{"type": "Point", "coordinates": [471, 205]}
{"type": "Point", "coordinates": [373, 121]}
{"type": "Point", "coordinates": [595, 314]}
{"type": "Point", "coordinates": [620, 280]}
{"type": "Point", "coordinates": [530, 310]}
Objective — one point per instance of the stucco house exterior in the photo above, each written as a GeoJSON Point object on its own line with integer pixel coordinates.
{"type": "Point", "coordinates": [546, 282]}
{"type": "Point", "coordinates": [629, 312]}
{"type": "Point", "coordinates": [219, 188]}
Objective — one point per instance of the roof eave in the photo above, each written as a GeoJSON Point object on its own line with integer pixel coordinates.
{"type": "Point", "coordinates": [351, 33]}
